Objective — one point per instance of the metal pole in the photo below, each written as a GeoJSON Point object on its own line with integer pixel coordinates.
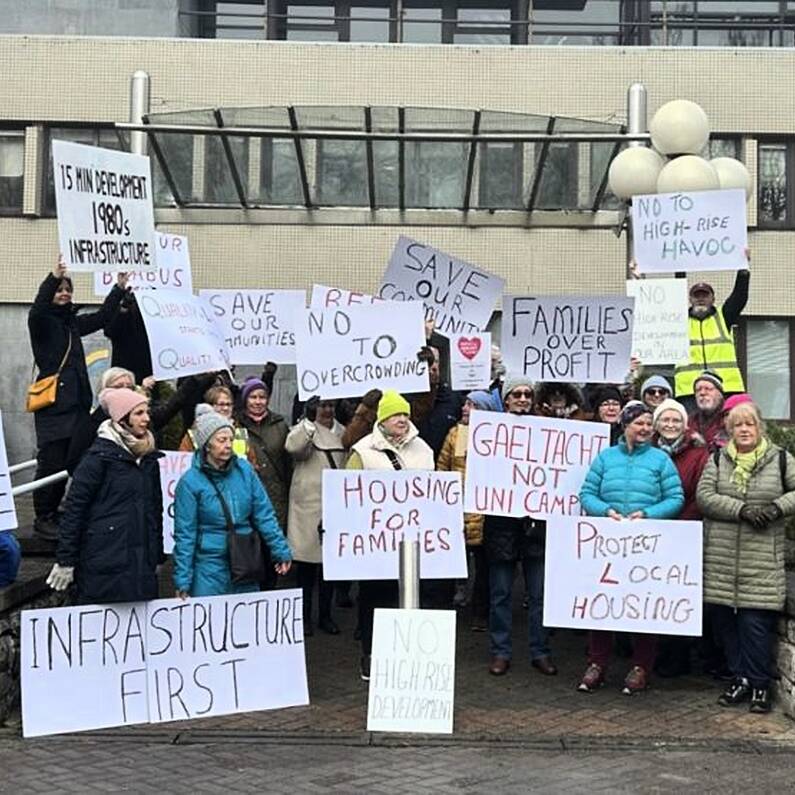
{"type": "Point", "coordinates": [22, 466]}
{"type": "Point", "coordinates": [409, 574]}
{"type": "Point", "coordinates": [139, 107]}
{"type": "Point", "coordinates": [637, 121]}
{"type": "Point", "coordinates": [37, 484]}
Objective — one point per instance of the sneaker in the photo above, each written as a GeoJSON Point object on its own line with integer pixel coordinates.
{"type": "Point", "coordinates": [737, 692]}
{"type": "Point", "coordinates": [636, 681]}
{"type": "Point", "coordinates": [364, 667]}
{"type": "Point", "coordinates": [593, 678]}
{"type": "Point", "coordinates": [761, 703]}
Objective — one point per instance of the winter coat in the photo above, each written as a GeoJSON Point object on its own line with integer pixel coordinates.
{"type": "Point", "coordinates": [453, 458]}
{"type": "Point", "coordinates": [689, 460]}
{"type": "Point", "coordinates": [368, 453]}
{"type": "Point", "coordinates": [50, 328]}
{"type": "Point", "coordinates": [710, 430]}
{"type": "Point", "coordinates": [509, 538]}
{"type": "Point", "coordinates": [443, 412]}
{"type": "Point", "coordinates": [129, 341]}
{"type": "Point", "coordinates": [644, 479]}
{"type": "Point", "coordinates": [310, 444]}
{"type": "Point", "coordinates": [744, 567]}
{"type": "Point", "coordinates": [112, 527]}
{"type": "Point", "coordinates": [201, 557]}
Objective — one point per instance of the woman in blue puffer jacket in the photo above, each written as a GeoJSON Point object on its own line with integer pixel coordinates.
{"type": "Point", "coordinates": [201, 559]}
{"type": "Point", "coordinates": [631, 480]}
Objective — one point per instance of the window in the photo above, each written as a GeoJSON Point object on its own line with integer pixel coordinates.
{"type": "Point", "coordinates": [422, 25]}
{"type": "Point", "coordinates": [481, 26]}
{"type": "Point", "coordinates": [558, 188]}
{"type": "Point", "coordinates": [595, 22]}
{"type": "Point", "coordinates": [435, 174]}
{"type": "Point", "coordinates": [219, 185]}
{"type": "Point", "coordinates": [369, 24]}
{"type": "Point", "coordinates": [773, 185]}
{"type": "Point", "coordinates": [341, 173]}
{"type": "Point", "coordinates": [500, 176]}
{"type": "Point", "coordinates": [768, 347]}
{"type": "Point", "coordinates": [12, 161]}
{"type": "Point", "coordinates": [321, 27]}
{"type": "Point", "coordinates": [279, 178]}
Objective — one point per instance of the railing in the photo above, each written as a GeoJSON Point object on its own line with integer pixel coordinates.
{"type": "Point", "coordinates": [26, 488]}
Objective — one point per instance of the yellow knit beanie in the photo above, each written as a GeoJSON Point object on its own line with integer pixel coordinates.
{"type": "Point", "coordinates": [392, 403]}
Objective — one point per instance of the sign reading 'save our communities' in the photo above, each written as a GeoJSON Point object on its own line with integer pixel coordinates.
{"type": "Point", "coordinates": [95, 666]}
{"type": "Point", "coordinates": [630, 576]}
{"type": "Point", "coordinates": [701, 231]}
{"type": "Point", "coordinates": [458, 297]}
{"type": "Point", "coordinates": [660, 334]}
{"type": "Point", "coordinates": [568, 338]}
{"type": "Point", "coordinates": [104, 203]}
{"type": "Point", "coordinates": [173, 465]}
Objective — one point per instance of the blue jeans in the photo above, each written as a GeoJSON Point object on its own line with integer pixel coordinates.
{"type": "Point", "coordinates": [501, 576]}
{"type": "Point", "coordinates": [746, 636]}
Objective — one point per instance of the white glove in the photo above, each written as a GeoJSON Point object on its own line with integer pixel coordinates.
{"type": "Point", "coordinates": [61, 577]}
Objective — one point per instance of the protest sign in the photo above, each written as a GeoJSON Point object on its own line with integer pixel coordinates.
{"type": "Point", "coordinates": [568, 338]}
{"type": "Point", "coordinates": [629, 576]}
{"type": "Point", "coordinates": [346, 352]}
{"type": "Point", "coordinates": [258, 325]}
{"type": "Point", "coordinates": [412, 672]}
{"type": "Point", "coordinates": [660, 333]}
{"type": "Point", "coordinates": [184, 338]}
{"type": "Point", "coordinates": [324, 297]}
{"type": "Point", "coordinates": [104, 203]}
{"type": "Point", "coordinates": [173, 465]}
{"type": "Point", "coordinates": [367, 513]}
{"type": "Point", "coordinates": [701, 231]}
{"type": "Point", "coordinates": [458, 297]}
{"type": "Point", "coordinates": [8, 511]}
{"type": "Point", "coordinates": [470, 361]}
{"type": "Point", "coordinates": [173, 269]}
{"type": "Point", "coordinates": [529, 466]}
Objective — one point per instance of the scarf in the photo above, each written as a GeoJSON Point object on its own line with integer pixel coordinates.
{"type": "Point", "coordinates": [745, 463]}
{"type": "Point", "coordinates": [118, 434]}
{"type": "Point", "coordinates": [672, 448]}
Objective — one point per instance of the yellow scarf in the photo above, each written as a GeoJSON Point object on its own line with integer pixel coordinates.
{"type": "Point", "coordinates": [745, 463]}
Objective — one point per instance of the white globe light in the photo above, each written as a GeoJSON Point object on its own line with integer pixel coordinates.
{"type": "Point", "coordinates": [634, 172]}
{"type": "Point", "coordinates": [679, 127]}
{"type": "Point", "coordinates": [732, 174]}
{"type": "Point", "coordinates": [686, 174]}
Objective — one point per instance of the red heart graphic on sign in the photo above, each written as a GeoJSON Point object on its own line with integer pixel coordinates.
{"type": "Point", "coordinates": [469, 347]}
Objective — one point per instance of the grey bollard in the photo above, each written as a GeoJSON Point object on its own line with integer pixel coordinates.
{"type": "Point", "coordinates": [409, 574]}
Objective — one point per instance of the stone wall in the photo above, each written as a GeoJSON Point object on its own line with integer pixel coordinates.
{"type": "Point", "coordinates": [786, 652]}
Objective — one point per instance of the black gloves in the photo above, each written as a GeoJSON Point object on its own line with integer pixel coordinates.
{"type": "Point", "coordinates": [310, 408]}
{"type": "Point", "coordinates": [760, 516]}
{"type": "Point", "coordinates": [771, 513]}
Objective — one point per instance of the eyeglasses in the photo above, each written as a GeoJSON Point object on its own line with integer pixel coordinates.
{"type": "Point", "coordinates": [610, 404]}
{"type": "Point", "coordinates": [521, 393]}
{"type": "Point", "coordinates": [657, 392]}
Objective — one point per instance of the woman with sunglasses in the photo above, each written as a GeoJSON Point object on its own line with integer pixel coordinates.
{"type": "Point", "coordinates": [654, 390]}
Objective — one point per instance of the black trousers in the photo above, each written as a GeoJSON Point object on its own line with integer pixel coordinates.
{"type": "Point", "coordinates": [307, 575]}
{"type": "Point", "coordinates": [50, 458]}
{"type": "Point", "coordinates": [373, 594]}
{"type": "Point", "coordinates": [480, 589]}
{"type": "Point", "coordinates": [747, 636]}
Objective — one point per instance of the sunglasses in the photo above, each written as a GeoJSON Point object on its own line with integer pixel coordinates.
{"type": "Point", "coordinates": [521, 393]}
{"type": "Point", "coordinates": [657, 391]}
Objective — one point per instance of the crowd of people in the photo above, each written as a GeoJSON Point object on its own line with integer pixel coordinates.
{"type": "Point", "coordinates": [695, 449]}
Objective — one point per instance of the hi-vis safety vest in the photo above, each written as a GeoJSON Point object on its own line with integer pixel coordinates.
{"type": "Point", "coordinates": [711, 348]}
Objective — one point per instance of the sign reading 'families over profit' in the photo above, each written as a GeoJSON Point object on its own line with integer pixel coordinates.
{"type": "Point", "coordinates": [173, 269]}
{"type": "Point", "coordinates": [458, 297]}
{"type": "Point", "coordinates": [366, 514]}
{"type": "Point", "coordinates": [701, 231]}
{"type": "Point", "coordinates": [568, 338]}
{"type": "Point", "coordinates": [95, 666]}
{"type": "Point", "coordinates": [529, 466]}
{"type": "Point", "coordinates": [173, 465]}
{"type": "Point", "coordinates": [660, 334]}
{"type": "Point", "coordinates": [324, 297]}
{"type": "Point", "coordinates": [630, 576]}
{"type": "Point", "coordinates": [104, 203]}
{"type": "Point", "coordinates": [470, 361]}
{"type": "Point", "coordinates": [346, 352]}
{"type": "Point", "coordinates": [412, 672]}
{"type": "Point", "coordinates": [8, 511]}
{"type": "Point", "coordinates": [258, 325]}
{"type": "Point", "coordinates": [184, 338]}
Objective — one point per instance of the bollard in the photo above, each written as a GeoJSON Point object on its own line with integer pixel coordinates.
{"type": "Point", "coordinates": [409, 574]}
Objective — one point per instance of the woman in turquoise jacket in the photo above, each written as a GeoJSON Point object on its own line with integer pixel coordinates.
{"type": "Point", "coordinates": [631, 480]}
{"type": "Point", "coordinates": [201, 561]}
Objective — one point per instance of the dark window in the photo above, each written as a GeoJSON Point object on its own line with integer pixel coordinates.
{"type": "Point", "coordinates": [12, 163]}
{"type": "Point", "coordinates": [280, 181]}
{"type": "Point", "coordinates": [773, 184]}
{"type": "Point", "coordinates": [500, 176]}
{"type": "Point", "coordinates": [341, 173]}
{"type": "Point", "coordinates": [219, 184]}
{"type": "Point", "coordinates": [558, 188]}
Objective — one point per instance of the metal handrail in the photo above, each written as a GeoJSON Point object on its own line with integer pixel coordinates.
{"type": "Point", "coordinates": [16, 491]}
{"type": "Point", "coordinates": [21, 466]}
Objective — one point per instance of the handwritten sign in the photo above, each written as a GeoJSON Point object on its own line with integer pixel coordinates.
{"type": "Point", "coordinates": [104, 203]}
{"type": "Point", "coordinates": [458, 297]}
{"type": "Point", "coordinates": [639, 576]}
{"type": "Point", "coordinates": [346, 352]}
{"type": "Point", "coordinates": [470, 361]}
{"type": "Point", "coordinates": [8, 511]}
{"type": "Point", "coordinates": [366, 514]}
{"type": "Point", "coordinates": [258, 325]}
{"type": "Point", "coordinates": [173, 269]}
{"type": "Point", "coordinates": [95, 666]}
{"type": "Point", "coordinates": [412, 672]}
{"type": "Point", "coordinates": [184, 338]}
{"type": "Point", "coordinates": [568, 338]}
{"type": "Point", "coordinates": [529, 466]}
{"type": "Point", "coordinates": [173, 465]}
{"type": "Point", "coordinates": [324, 297]}
{"type": "Point", "coordinates": [660, 332]}
{"type": "Point", "coordinates": [701, 231]}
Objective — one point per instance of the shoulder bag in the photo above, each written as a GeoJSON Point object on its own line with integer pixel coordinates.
{"type": "Point", "coordinates": [43, 393]}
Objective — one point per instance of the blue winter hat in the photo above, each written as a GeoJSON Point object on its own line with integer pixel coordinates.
{"type": "Point", "coordinates": [656, 381]}
{"type": "Point", "coordinates": [482, 400]}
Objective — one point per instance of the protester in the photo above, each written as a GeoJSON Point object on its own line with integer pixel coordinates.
{"type": "Point", "coordinates": [607, 405]}
{"type": "Point", "coordinates": [221, 399]}
{"type": "Point", "coordinates": [394, 444]}
{"type": "Point", "coordinates": [56, 327]}
{"type": "Point", "coordinates": [746, 492]}
{"type": "Point", "coordinates": [220, 494]}
{"type": "Point", "coordinates": [111, 535]}
{"type": "Point", "coordinates": [632, 480]}
{"type": "Point", "coordinates": [707, 418]}
{"type": "Point", "coordinates": [363, 419]}
{"type": "Point", "coordinates": [654, 390]}
{"type": "Point", "coordinates": [314, 443]}
{"type": "Point", "coordinates": [10, 558]}
{"type": "Point", "coordinates": [562, 401]}
{"type": "Point", "coordinates": [129, 341]}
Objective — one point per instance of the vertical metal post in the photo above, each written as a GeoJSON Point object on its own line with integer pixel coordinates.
{"type": "Point", "coordinates": [409, 572]}
{"type": "Point", "coordinates": [139, 107]}
{"type": "Point", "coordinates": [637, 122]}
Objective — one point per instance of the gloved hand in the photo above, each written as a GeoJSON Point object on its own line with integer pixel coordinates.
{"type": "Point", "coordinates": [771, 513]}
{"type": "Point", "coordinates": [753, 515]}
{"type": "Point", "coordinates": [310, 408]}
{"type": "Point", "coordinates": [270, 368]}
{"type": "Point", "coordinates": [426, 354]}
{"type": "Point", "coordinates": [61, 577]}
{"type": "Point", "coordinates": [372, 398]}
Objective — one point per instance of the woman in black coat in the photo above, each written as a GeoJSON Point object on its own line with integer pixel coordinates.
{"type": "Point", "coordinates": [53, 321]}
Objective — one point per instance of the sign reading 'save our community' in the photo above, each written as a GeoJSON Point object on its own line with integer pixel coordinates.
{"type": "Point", "coordinates": [701, 231]}
{"type": "Point", "coordinates": [104, 203]}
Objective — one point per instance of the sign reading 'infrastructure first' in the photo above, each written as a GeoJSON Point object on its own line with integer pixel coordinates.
{"type": "Point", "coordinates": [104, 201]}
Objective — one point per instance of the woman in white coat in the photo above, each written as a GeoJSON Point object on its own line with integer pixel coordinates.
{"type": "Point", "coordinates": [315, 445]}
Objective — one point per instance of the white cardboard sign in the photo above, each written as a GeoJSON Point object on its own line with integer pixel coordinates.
{"type": "Point", "coordinates": [412, 672]}
{"type": "Point", "coordinates": [470, 361]}
{"type": "Point", "coordinates": [701, 231]}
{"type": "Point", "coordinates": [458, 297]}
{"type": "Point", "coordinates": [529, 466]}
{"type": "Point", "coordinates": [367, 513]}
{"type": "Point", "coordinates": [346, 352]}
{"type": "Point", "coordinates": [104, 204]}
{"type": "Point", "coordinates": [629, 576]}
{"type": "Point", "coordinates": [660, 334]}
{"type": "Point", "coordinates": [572, 339]}
{"type": "Point", "coordinates": [8, 510]}
{"type": "Point", "coordinates": [324, 297]}
{"type": "Point", "coordinates": [173, 465]}
{"type": "Point", "coordinates": [258, 325]}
